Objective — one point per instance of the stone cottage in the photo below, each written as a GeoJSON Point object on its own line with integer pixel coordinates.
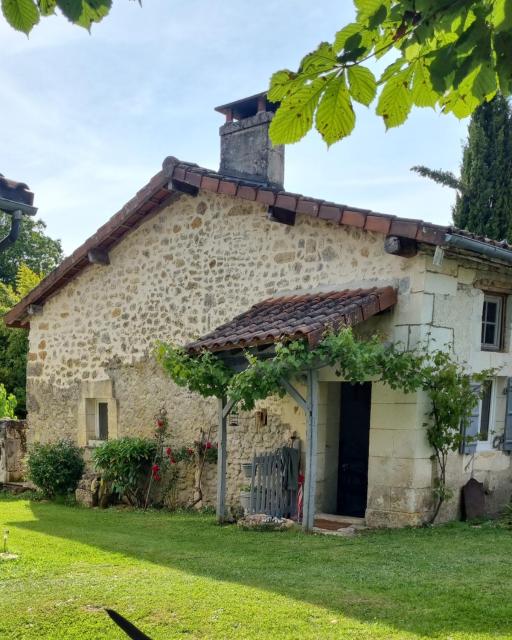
{"type": "Point", "coordinates": [196, 248]}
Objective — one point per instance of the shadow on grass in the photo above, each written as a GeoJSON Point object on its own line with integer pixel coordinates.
{"type": "Point", "coordinates": [430, 582]}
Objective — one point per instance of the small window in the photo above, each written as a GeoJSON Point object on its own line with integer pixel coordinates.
{"type": "Point", "coordinates": [486, 411]}
{"type": "Point", "coordinates": [102, 420]}
{"type": "Point", "coordinates": [492, 322]}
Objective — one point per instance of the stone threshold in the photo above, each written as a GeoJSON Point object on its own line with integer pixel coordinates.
{"type": "Point", "coordinates": [332, 524]}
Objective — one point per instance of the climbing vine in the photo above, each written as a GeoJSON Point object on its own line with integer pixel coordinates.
{"type": "Point", "coordinates": [447, 382]}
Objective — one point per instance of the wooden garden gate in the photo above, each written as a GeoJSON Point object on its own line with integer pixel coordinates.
{"type": "Point", "coordinates": [273, 487]}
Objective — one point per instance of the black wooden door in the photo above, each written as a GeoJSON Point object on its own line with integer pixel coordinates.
{"type": "Point", "coordinates": [354, 447]}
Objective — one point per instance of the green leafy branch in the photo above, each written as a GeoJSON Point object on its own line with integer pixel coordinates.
{"type": "Point", "coordinates": [7, 403]}
{"type": "Point", "coordinates": [24, 15]}
{"type": "Point", "coordinates": [451, 55]}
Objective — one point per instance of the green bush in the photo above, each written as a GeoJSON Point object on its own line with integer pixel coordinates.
{"type": "Point", "coordinates": [56, 468]}
{"type": "Point", "coordinates": [126, 463]}
{"type": "Point", "coordinates": [7, 403]}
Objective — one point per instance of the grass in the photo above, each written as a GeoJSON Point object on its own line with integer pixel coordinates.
{"type": "Point", "coordinates": [182, 576]}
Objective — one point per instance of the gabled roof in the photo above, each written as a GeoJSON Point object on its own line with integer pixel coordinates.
{"type": "Point", "coordinates": [305, 315]}
{"type": "Point", "coordinates": [177, 177]}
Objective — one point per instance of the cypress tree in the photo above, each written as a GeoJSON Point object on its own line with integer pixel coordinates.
{"type": "Point", "coordinates": [484, 189]}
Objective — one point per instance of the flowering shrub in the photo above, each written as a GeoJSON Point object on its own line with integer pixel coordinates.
{"type": "Point", "coordinates": [163, 467]}
{"type": "Point", "coordinates": [56, 468]}
{"type": "Point", "coordinates": [200, 449]}
{"type": "Point", "coordinates": [125, 463]}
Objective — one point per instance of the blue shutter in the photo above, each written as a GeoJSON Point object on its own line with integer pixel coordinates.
{"type": "Point", "coordinates": [473, 427]}
{"type": "Point", "coordinates": [507, 436]}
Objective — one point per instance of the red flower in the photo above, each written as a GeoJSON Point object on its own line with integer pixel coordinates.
{"type": "Point", "coordinates": [208, 445]}
{"type": "Point", "coordinates": [168, 451]}
{"type": "Point", "coordinates": [172, 461]}
{"type": "Point", "coordinates": [157, 477]}
{"type": "Point", "coordinates": [155, 468]}
{"type": "Point", "coordinates": [160, 423]}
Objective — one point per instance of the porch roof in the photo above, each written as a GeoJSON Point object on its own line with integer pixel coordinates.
{"type": "Point", "coordinates": [304, 315]}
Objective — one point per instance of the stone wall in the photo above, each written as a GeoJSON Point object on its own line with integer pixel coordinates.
{"type": "Point", "coordinates": [196, 264]}
{"type": "Point", "coordinates": [13, 447]}
{"type": "Point", "coordinates": [449, 317]}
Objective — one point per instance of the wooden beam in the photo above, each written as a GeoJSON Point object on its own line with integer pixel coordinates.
{"type": "Point", "coordinates": [398, 246]}
{"type": "Point", "coordinates": [283, 216]}
{"type": "Point", "coordinates": [34, 309]}
{"type": "Point", "coordinates": [184, 187]}
{"type": "Point", "coordinates": [291, 390]}
{"type": "Point", "coordinates": [308, 517]}
{"type": "Point", "coordinates": [227, 409]}
{"type": "Point", "coordinates": [221, 462]}
{"type": "Point", "coordinates": [98, 256]}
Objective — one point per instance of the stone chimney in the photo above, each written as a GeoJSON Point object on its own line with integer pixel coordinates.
{"type": "Point", "coordinates": [245, 148]}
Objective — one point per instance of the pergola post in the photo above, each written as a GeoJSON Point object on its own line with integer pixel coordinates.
{"type": "Point", "coordinates": [308, 515]}
{"type": "Point", "coordinates": [310, 406]}
{"type": "Point", "coordinates": [221, 461]}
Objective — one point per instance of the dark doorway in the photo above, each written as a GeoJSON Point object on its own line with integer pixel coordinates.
{"type": "Point", "coordinates": [354, 448]}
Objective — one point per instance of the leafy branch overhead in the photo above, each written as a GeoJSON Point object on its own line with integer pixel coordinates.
{"type": "Point", "coordinates": [448, 54]}
{"type": "Point", "coordinates": [24, 15]}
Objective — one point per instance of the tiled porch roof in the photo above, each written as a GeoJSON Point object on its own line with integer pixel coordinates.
{"type": "Point", "coordinates": [291, 317]}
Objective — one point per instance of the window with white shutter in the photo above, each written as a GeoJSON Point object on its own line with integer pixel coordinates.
{"type": "Point", "coordinates": [492, 322]}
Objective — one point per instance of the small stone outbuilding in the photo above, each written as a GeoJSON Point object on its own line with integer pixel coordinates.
{"type": "Point", "coordinates": [195, 248]}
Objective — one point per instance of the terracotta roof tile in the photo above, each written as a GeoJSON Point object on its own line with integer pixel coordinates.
{"type": "Point", "coordinates": [306, 316]}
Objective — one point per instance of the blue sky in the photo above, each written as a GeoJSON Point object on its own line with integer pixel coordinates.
{"type": "Point", "coordinates": [88, 119]}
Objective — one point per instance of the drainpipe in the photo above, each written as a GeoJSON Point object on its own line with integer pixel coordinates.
{"type": "Point", "coordinates": [16, 217]}
{"type": "Point", "coordinates": [477, 246]}
{"type": "Point", "coordinates": [16, 210]}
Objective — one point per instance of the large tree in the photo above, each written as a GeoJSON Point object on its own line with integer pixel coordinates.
{"type": "Point", "coordinates": [33, 248]}
{"type": "Point", "coordinates": [22, 266]}
{"type": "Point", "coordinates": [484, 189]}
{"type": "Point", "coordinates": [448, 54]}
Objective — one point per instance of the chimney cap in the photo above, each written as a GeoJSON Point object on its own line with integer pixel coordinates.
{"type": "Point", "coordinates": [247, 107]}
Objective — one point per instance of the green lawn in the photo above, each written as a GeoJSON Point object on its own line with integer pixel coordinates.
{"type": "Point", "coordinates": [181, 576]}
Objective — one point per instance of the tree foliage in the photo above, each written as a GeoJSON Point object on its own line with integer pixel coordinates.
{"type": "Point", "coordinates": [446, 178]}
{"type": "Point", "coordinates": [7, 403]}
{"type": "Point", "coordinates": [33, 248]}
{"type": "Point", "coordinates": [14, 342]}
{"type": "Point", "coordinates": [449, 55]}
{"type": "Point", "coordinates": [484, 189]}
{"type": "Point", "coordinates": [24, 15]}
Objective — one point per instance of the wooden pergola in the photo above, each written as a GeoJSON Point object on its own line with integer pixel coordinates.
{"type": "Point", "coordinates": [309, 405]}
{"type": "Point", "coordinates": [296, 317]}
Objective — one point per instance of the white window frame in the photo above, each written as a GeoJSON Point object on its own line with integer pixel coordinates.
{"type": "Point", "coordinates": [496, 345]}
{"type": "Point", "coordinates": [486, 445]}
